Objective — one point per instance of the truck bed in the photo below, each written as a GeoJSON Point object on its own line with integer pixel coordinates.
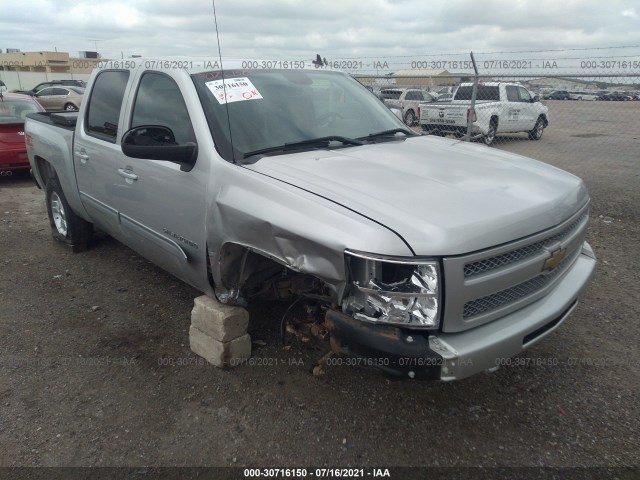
{"type": "Point", "coordinates": [66, 120]}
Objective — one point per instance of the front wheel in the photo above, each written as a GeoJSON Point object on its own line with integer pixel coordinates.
{"type": "Point", "coordinates": [538, 129]}
{"type": "Point", "coordinates": [66, 226]}
{"type": "Point", "coordinates": [490, 136]}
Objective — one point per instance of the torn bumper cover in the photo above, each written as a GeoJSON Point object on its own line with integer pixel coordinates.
{"type": "Point", "coordinates": [391, 349]}
{"type": "Point", "coordinates": [434, 355]}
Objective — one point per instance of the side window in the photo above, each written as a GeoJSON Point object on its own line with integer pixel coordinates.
{"type": "Point", "coordinates": [45, 92]}
{"type": "Point", "coordinates": [524, 95]}
{"type": "Point", "coordinates": [159, 102]}
{"type": "Point", "coordinates": [104, 105]}
{"type": "Point", "coordinates": [60, 91]}
{"type": "Point", "coordinates": [512, 94]}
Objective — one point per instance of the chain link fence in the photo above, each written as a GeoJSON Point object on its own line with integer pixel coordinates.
{"type": "Point", "coordinates": [501, 109]}
{"type": "Point", "coordinates": [580, 100]}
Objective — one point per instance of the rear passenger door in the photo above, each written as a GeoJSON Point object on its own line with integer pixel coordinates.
{"type": "Point", "coordinates": [95, 151]}
{"type": "Point", "coordinates": [529, 110]}
{"type": "Point", "coordinates": [46, 98]}
{"type": "Point", "coordinates": [512, 121]}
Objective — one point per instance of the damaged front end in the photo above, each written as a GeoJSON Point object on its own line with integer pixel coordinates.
{"type": "Point", "coordinates": [393, 291]}
{"type": "Point", "coordinates": [391, 306]}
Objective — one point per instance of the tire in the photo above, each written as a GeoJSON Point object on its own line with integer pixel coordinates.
{"type": "Point", "coordinates": [66, 226]}
{"type": "Point", "coordinates": [70, 107]}
{"type": "Point", "coordinates": [490, 137]}
{"type": "Point", "coordinates": [538, 129]}
{"type": "Point", "coordinates": [409, 118]}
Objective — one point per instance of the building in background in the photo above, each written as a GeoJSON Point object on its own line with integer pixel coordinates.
{"type": "Point", "coordinates": [50, 62]}
{"type": "Point", "coordinates": [24, 70]}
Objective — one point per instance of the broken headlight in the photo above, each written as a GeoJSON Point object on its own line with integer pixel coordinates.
{"type": "Point", "coordinates": [403, 292]}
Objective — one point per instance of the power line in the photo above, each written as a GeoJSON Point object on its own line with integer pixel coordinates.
{"type": "Point", "coordinates": [492, 53]}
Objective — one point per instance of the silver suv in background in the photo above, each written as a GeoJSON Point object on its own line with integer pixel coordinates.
{"type": "Point", "coordinates": [407, 101]}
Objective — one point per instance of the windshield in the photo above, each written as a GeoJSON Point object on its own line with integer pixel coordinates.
{"type": "Point", "coordinates": [15, 110]}
{"type": "Point", "coordinates": [268, 108]}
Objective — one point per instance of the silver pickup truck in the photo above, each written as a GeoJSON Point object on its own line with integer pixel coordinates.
{"type": "Point", "coordinates": [432, 258]}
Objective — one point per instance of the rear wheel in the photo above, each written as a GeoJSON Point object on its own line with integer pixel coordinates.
{"type": "Point", "coordinates": [490, 136]}
{"type": "Point", "coordinates": [70, 107]}
{"type": "Point", "coordinates": [66, 226]}
{"type": "Point", "coordinates": [409, 118]}
{"type": "Point", "coordinates": [538, 129]}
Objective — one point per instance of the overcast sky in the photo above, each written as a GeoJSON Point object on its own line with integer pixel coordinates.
{"type": "Point", "coordinates": [298, 29]}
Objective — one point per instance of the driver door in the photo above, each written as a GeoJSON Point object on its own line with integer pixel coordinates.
{"type": "Point", "coordinates": [162, 208]}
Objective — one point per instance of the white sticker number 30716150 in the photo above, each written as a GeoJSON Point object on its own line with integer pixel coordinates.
{"type": "Point", "coordinates": [233, 90]}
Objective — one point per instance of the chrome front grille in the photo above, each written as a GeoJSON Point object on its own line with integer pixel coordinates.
{"type": "Point", "coordinates": [486, 265]}
{"type": "Point", "coordinates": [513, 294]}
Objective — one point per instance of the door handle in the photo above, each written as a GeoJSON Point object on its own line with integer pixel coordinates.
{"type": "Point", "coordinates": [82, 156]}
{"type": "Point", "coordinates": [128, 174]}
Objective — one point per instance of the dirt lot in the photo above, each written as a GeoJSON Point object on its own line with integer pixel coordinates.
{"type": "Point", "coordinates": [96, 370]}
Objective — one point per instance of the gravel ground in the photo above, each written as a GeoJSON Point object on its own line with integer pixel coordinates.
{"type": "Point", "coordinates": [96, 370]}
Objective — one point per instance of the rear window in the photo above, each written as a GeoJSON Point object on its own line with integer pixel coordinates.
{"type": "Point", "coordinates": [391, 94]}
{"type": "Point", "coordinates": [485, 92]}
{"type": "Point", "coordinates": [15, 110]}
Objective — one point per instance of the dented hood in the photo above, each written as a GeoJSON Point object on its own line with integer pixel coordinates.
{"type": "Point", "coordinates": [442, 196]}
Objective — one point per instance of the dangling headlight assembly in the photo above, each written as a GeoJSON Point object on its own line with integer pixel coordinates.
{"type": "Point", "coordinates": [398, 291]}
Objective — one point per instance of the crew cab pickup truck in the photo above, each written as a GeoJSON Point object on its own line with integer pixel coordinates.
{"type": "Point", "coordinates": [500, 108]}
{"type": "Point", "coordinates": [429, 257]}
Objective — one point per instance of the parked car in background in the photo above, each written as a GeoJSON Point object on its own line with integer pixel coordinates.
{"type": "Point", "coordinates": [14, 108]}
{"type": "Point", "coordinates": [407, 100]}
{"type": "Point", "coordinates": [557, 95]}
{"type": "Point", "coordinates": [53, 83]}
{"type": "Point", "coordinates": [582, 95]}
{"type": "Point", "coordinates": [56, 99]}
{"type": "Point", "coordinates": [616, 97]}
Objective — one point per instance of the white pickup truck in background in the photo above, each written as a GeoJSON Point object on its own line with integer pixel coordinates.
{"type": "Point", "coordinates": [500, 108]}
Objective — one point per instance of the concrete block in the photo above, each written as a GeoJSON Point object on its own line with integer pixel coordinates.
{"type": "Point", "coordinates": [221, 354]}
{"type": "Point", "coordinates": [219, 321]}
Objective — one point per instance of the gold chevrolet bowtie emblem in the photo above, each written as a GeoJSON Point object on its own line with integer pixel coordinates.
{"type": "Point", "coordinates": [555, 258]}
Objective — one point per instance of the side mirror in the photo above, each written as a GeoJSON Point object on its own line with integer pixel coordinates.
{"type": "Point", "coordinates": [535, 99]}
{"type": "Point", "coordinates": [157, 142]}
{"type": "Point", "coordinates": [3, 87]}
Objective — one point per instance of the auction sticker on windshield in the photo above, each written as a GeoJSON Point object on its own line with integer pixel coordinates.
{"type": "Point", "coordinates": [233, 90]}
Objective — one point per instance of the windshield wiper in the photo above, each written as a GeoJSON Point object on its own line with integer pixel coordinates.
{"type": "Point", "coordinates": [386, 133]}
{"type": "Point", "coordinates": [312, 142]}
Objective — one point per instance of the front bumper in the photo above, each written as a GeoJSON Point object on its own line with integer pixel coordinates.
{"type": "Point", "coordinates": [454, 356]}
